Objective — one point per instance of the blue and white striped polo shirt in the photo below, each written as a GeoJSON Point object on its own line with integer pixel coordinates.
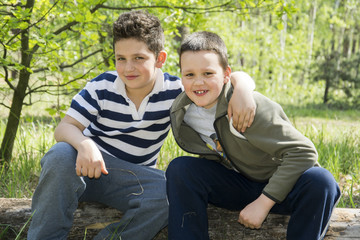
{"type": "Point", "coordinates": [112, 121]}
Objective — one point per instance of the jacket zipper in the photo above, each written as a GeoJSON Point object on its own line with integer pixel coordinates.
{"type": "Point", "coordinates": [196, 153]}
{"type": "Point", "coordinates": [220, 141]}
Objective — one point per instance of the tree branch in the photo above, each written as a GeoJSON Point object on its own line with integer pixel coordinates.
{"type": "Point", "coordinates": [70, 24]}
{"type": "Point", "coordinates": [6, 13]}
{"type": "Point", "coordinates": [7, 79]}
{"type": "Point", "coordinates": [3, 104]}
{"type": "Point", "coordinates": [38, 89]}
{"type": "Point", "coordinates": [65, 27]}
{"type": "Point", "coordinates": [5, 68]}
{"type": "Point", "coordinates": [34, 24]}
{"type": "Point", "coordinates": [70, 65]}
{"type": "Point", "coordinates": [162, 6]}
{"type": "Point", "coordinates": [192, 10]}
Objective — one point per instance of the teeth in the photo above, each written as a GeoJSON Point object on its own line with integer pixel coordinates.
{"type": "Point", "coordinates": [200, 92]}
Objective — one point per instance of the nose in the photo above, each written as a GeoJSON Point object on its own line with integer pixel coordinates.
{"type": "Point", "coordinates": [129, 66]}
{"type": "Point", "coordinates": [199, 81]}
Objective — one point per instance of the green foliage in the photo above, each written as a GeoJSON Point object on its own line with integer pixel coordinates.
{"type": "Point", "coordinates": [54, 47]}
{"type": "Point", "coordinates": [340, 73]}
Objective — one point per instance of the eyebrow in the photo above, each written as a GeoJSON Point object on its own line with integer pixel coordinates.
{"type": "Point", "coordinates": [135, 54]}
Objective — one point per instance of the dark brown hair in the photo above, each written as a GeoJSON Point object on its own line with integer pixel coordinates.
{"type": "Point", "coordinates": [206, 41]}
{"type": "Point", "coordinates": [142, 26]}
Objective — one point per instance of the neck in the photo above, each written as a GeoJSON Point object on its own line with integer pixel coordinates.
{"type": "Point", "coordinates": [138, 95]}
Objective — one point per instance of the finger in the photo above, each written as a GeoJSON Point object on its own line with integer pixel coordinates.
{"type": "Point", "coordinates": [91, 173]}
{"type": "Point", "coordinates": [251, 119]}
{"type": "Point", "coordinates": [241, 124]}
{"type": "Point", "coordinates": [244, 124]}
{"type": "Point", "coordinates": [235, 121]}
{"type": "Point", "coordinates": [84, 172]}
{"type": "Point", "coordinates": [78, 170]}
{"type": "Point", "coordinates": [240, 220]}
{"type": "Point", "coordinates": [97, 173]}
{"type": "Point", "coordinates": [103, 168]}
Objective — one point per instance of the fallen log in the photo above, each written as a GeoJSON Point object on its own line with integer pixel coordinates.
{"type": "Point", "coordinates": [90, 218]}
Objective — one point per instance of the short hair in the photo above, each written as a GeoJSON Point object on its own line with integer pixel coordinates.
{"type": "Point", "coordinates": [141, 26]}
{"type": "Point", "coordinates": [206, 41]}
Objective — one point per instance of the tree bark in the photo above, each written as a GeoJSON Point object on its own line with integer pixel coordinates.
{"type": "Point", "coordinates": [19, 94]}
{"type": "Point", "coordinates": [90, 218]}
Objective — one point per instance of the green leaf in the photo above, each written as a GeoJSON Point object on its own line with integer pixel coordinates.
{"type": "Point", "coordinates": [89, 17]}
{"type": "Point", "coordinates": [51, 111]}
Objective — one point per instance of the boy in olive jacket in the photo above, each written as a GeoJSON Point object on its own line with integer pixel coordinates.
{"type": "Point", "coordinates": [271, 167]}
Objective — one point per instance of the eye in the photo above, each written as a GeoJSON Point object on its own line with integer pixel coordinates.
{"type": "Point", "coordinates": [120, 59]}
{"type": "Point", "coordinates": [189, 75]}
{"type": "Point", "coordinates": [208, 73]}
{"type": "Point", "coordinates": [139, 58]}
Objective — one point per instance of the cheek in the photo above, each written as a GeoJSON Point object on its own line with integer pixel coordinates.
{"type": "Point", "coordinates": [187, 85]}
{"type": "Point", "coordinates": [146, 68]}
{"type": "Point", "coordinates": [119, 66]}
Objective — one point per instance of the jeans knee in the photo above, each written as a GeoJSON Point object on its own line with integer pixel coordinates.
{"type": "Point", "coordinates": [61, 156]}
{"type": "Point", "coordinates": [178, 168]}
{"type": "Point", "coordinates": [322, 183]}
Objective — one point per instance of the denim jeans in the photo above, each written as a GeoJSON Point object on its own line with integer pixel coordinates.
{"type": "Point", "coordinates": [137, 191]}
{"type": "Point", "coordinates": [192, 183]}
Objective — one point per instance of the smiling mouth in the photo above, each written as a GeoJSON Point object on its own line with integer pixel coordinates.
{"type": "Point", "coordinates": [131, 77]}
{"type": "Point", "coordinates": [201, 92]}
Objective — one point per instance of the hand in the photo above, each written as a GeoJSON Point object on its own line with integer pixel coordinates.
{"type": "Point", "coordinates": [254, 214]}
{"type": "Point", "coordinates": [242, 110]}
{"type": "Point", "coordinates": [89, 161]}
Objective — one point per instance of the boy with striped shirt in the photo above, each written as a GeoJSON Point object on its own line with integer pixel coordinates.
{"type": "Point", "coordinates": [110, 138]}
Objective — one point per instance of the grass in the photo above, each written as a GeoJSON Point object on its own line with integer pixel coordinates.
{"type": "Point", "coordinates": [336, 139]}
{"type": "Point", "coordinates": [34, 138]}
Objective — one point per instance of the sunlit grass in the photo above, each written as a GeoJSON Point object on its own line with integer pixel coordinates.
{"type": "Point", "coordinates": [34, 138]}
{"type": "Point", "coordinates": [336, 140]}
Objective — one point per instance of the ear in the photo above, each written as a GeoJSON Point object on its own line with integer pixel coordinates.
{"type": "Point", "coordinates": [161, 58]}
{"type": "Point", "coordinates": [227, 74]}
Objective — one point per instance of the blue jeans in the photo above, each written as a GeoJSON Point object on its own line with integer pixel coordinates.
{"type": "Point", "coordinates": [137, 191]}
{"type": "Point", "coordinates": [192, 183]}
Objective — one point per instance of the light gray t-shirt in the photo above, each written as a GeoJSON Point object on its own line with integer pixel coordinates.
{"type": "Point", "coordinates": [202, 121]}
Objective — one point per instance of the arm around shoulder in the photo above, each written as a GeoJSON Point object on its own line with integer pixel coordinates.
{"type": "Point", "coordinates": [242, 106]}
{"type": "Point", "coordinates": [243, 80]}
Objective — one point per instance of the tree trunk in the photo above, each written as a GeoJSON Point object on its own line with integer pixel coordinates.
{"type": "Point", "coordinates": [19, 95]}
{"type": "Point", "coordinates": [283, 34]}
{"type": "Point", "coordinates": [326, 91]}
{"type": "Point", "coordinates": [311, 34]}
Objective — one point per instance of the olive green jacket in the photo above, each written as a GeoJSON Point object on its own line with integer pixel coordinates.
{"type": "Point", "coordinates": [270, 151]}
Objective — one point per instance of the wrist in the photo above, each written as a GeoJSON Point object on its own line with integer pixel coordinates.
{"type": "Point", "coordinates": [266, 202]}
{"type": "Point", "coordinates": [84, 144]}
